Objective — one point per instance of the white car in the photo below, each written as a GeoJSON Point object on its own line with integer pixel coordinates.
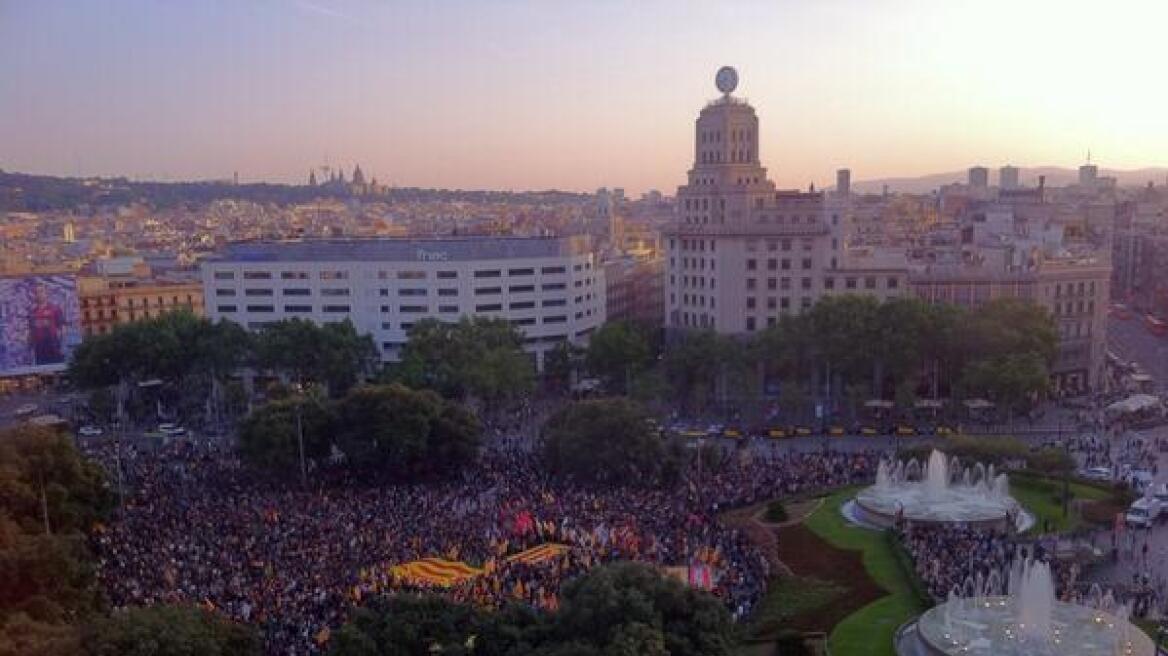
{"type": "Point", "coordinates": [25, 410]}
{"type": "Point", "coordinates": [1096, 474]}
{"type": "Point", "coordinates": [171, 429]}
{"type": "Point", "coordinates": [1143, 512]}
{"type": "Point", "coordinates": [90, 431]}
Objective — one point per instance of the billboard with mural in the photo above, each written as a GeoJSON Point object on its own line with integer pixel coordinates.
{"type": "Point", "coordinates": [40, 323]}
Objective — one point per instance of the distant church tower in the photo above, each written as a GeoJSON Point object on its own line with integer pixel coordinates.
{"type": "Point", "coordinates": [312, 178]}
{"type": "Point", "coordinates": [358, 176]}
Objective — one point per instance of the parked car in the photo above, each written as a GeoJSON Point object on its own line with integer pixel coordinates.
{"type": "Point", "coordinates": [89, 431]}
{"type": "Point", "coordinates": [1160, 493]}
{"type": "Point", "coordinates": [1143, 512]}
{"type": "Point", "coordinates": [1096, 474]}
{"type": "Point", "coordinates": [171, 430]}
{"type": "Point", "coordinates": [25, 410]}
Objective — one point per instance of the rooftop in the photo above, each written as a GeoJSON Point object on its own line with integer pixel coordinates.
{"type": "Point", "coordinates": [402, 249]}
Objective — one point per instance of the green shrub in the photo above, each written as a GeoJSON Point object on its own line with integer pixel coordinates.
{"type": "Point", "coordinates": [776, 513]}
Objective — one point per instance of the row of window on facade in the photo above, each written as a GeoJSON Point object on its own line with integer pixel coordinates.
{"type": "Point", "coordinates": [735, 156]}
{"type": "Point", "coordinates": [1074, 289]}
{"type": "Point", "coordinates": [402, 275]}
{"type": "Point", "coordinates": [715, 136]}
{"type": "Point", "coordinates": [1071, 308]}
{"type": "Point", "coordinates": [404, 291]}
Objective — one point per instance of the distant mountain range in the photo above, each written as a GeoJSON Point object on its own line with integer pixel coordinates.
{"type": "Point", "coordinates": [1055, 177]}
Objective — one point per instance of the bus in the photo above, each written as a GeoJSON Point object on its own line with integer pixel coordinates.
{"type": "Point", "coordinates": [1156, 326]}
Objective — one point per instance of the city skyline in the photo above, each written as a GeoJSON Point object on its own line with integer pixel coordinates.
{"type": "Point", "coordinates": [529, 97]}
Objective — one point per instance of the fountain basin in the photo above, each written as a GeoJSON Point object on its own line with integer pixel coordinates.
{"type": "Point", "coordinates": [880, 506]}
{"type": "Point", "coordinates": [991, 626]}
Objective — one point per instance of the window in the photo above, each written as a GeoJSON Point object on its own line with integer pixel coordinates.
{"type": "Point", "coordinates": [297, 291]}
{"type": "Point", "coordinates": [562, 318]}
{"type": "Point", "coordinates": [786, 265]}
{"type": "Point", "coordinates": [806, 263]}
{"type": "Point", "coordinates": [413, 309]}
{"type": "Point", "coordinates": [522, 305]}
{"type": "Point", "coordinates": [750, 283]}
{"type": "Point", "coordinates": [772, 264]}
{"type": "Point", "coordinates": [806, 283]}
{"type": "Point", "coordinates": [225, 292]}
{"type": "Point", "coordinates": [257, 275]}
{"type": "Point", "coordinates": [553, 286]}
{"type": "Point", "coordinates": [412, 291]}
{"type": "Point", "coordinates": [771, 303]}
{"type": "Point", "coordinates": [297, 308]}
{"type": "Point", "coordinates": [334, 275]}
{"type": "Point", "coordinates": [335, 291]}
{"type": "Point", "coordinates": [254, 292]}
{"type": "Point", "coordinates": [555, 302]}
{"type": "Point", "coordinates": [529, 321]}
{"type": "Point", "coordinates": [448, 309]}
{"type": "Point", "coordinates": [893, 283]}
{"type": "Point", "coordinates": [489, 307]}
{"type": "Point", "coordinates": [334, 309]}
{"type": "Point", "coordinates": [488, 291]}
{"type": "Point", "coordinates": [750, 323]}
{"type": "Point", "coordinates": [749, 302]}
{"type": "Point", "coordinates": [751, 264]}
{"type": "Point", "coordinates": [784, 303]}
{"type": "Point", "coordinates": [447, 291]}
{"type": "Point", "coordinates": [407, 325]}
{"type": "Point", "coordinates": [293, 275]}
{"type": "Point", "coordinates": [226, 308]}
{"type": "Point", "coordinates": [550, 270]}
{"type": "Point", "coordinates": [261, 308]}
{"type": "Point", "coordinates": [383, 292]}
{"type": "Point", "coordinates": [447, 275]}
{"type": "Point", "coordinates": [411, 275]}
{"type": "Point", "coordinates": [772, 284]}
{"type": "Point", "coordinates": [521, 272]}
{"type": "Point", "coordinates": [489, 273]}
{"type": "Point", "coordinates": [224, 275]}
{"type": "Point", "coordinates": [520, 289]}
{"type": "Point", "coordinates": [850, 283]}
{"type": "Point", "coordinates": [870, 282]}
{"type": "Point", "coordinates": [829, 283]}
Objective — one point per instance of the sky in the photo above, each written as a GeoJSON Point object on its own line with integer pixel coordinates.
{"type": "Point", "coordinates": [511, 94]}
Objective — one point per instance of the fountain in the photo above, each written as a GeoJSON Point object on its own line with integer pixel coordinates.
{"type": "Point", "coordinates": [1026, 621]}
{"type": "Point", "coordinates": [940, 491]}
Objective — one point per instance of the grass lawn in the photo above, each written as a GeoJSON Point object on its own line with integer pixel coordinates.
{"type": "Point", "coordinates": [868, 631]}
{"type": "Point", "coordinates": [1041, 497]}
{"type": "Point", "coordinates": [788, 598]}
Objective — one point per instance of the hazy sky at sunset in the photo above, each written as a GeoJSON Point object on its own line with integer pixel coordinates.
{"type": "Point", "coordinates": [573, 95]}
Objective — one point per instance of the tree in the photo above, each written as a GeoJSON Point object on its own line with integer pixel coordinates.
{"type": "Point", "coordinates": [45, 484]}
{"type": "Point", "coordinates": [169, 631]}
{"type": "Point", "coordinates": [479, 356]}
{"type": "Point", "coordinates": [559, 364]}
{"type": "Point", "coordinates": [693, 364]}
{"type": "Point", "coordinates": [1012, 381]}
{"type": "Point", "coordinates": [21, 635]}
{"type": "Point", "coordinates": [631, 608]}
{"type": "Point", "coordinates": [616, 353]}
{"type": "Point", "coordinates": [404, 430]}
{"type": "Point", "coordinates": [605, 440]}
{"type": "Point", "coordinates": [269, 436]}
{"type": "Point", "coordinates": [300, 351]}
{"type": "Point", "coordinates": [408, 624]}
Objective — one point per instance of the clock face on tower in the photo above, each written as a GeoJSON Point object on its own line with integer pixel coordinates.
{"type": "Point", "coordinates": [726, 79]}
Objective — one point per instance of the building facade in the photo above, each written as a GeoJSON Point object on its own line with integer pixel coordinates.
{"type": "Point", "coordinates": [741, 253]}
{"type": "Point", "coordinates": [551, 289]}
{"type": "Point", "coordinates": [109, 301]}
{"type": "Point", "coordinates": [634, 289]}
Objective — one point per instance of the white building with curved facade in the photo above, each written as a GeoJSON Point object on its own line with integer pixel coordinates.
{"type": "Point", "coordinates": [550, 288]}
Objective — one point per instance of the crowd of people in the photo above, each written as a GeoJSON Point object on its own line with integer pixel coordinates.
{"type": "Point", "coordinates": [197, 526]}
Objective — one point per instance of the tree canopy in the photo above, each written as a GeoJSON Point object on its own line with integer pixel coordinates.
{"type": "Point", "coordinates": [169, 631]}
{"type": "Point", "coordinates": [480, 357]}
{"type": "Point", "coordinates": [617, 352]}
{"type": "Point", "coordinates": [608, 440]}
{"type": "Point", "coordinates": [388, 427]}
{"type": "Point", "coordinates": [621, 609]}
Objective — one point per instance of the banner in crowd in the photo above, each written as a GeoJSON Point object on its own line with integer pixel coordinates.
{"type": "Point", "coordinates": [539, 554]}
{"type": "Point", "coordinates": [434, 571]}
